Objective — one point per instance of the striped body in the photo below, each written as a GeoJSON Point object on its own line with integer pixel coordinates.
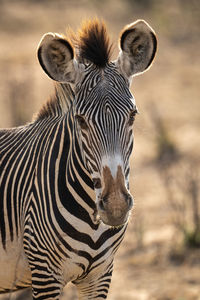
{"type": "Point", "coordinates": [41, 172]}
{"type": "Point", "coordinates": [64, 178]}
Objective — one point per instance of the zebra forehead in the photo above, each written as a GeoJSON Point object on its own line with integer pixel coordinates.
{"type": "Point", "coordinates": [104, 88]}
{"type": "Point", "coordinates": [103, 108]}
{"type": "Point", "coordinates": [107, 102]}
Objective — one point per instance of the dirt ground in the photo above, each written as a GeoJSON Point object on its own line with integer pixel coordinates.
{"type": "Point", "coordinates": [152, 263]}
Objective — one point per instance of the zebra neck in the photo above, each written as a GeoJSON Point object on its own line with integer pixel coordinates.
{"type": "Point", "coordinates": [75, 187]}
{"type": "Point", "coordinates": [77, 171]}
{"type": "Point", "coordinates": [64, 96]}
{"type": "Point", "coordinates": [58, 104]}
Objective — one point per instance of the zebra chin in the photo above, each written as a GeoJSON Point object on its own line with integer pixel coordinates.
{"type": "Point", "coordinates": [110, 219]}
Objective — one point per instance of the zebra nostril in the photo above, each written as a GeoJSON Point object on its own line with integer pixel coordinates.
{"type": "Point", "coordinates": [103, 202]}
{"type": "Point", "coordinates": [97, 183]}
{"type": "Point", "coordinates": [101, 205]}
{"type": "Point", "coordinates": [105, 199]}
{"type": "Point", "coordinates": [129, 200]}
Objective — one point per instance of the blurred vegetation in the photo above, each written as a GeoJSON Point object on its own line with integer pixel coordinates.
{"type": "Point", "coordinates": [166, 152]}
{"type": "Point", "coordinates": [181, 178]}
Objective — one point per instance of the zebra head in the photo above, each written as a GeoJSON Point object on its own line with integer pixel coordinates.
{"type": "Point", "coordinates": [103, 108]}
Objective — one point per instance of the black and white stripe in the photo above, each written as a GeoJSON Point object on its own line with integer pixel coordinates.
{"type": "Point", "coordinates": [46, 199]}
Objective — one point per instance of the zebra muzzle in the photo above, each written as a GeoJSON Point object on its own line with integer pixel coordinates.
{"type": "Point", "coordinates": [115, 202]}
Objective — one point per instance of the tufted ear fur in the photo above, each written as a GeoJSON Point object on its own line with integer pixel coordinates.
{"type": "Point", "coordinates": [138, 47]}
{"type": "Point", "coordinates": [56, 56]}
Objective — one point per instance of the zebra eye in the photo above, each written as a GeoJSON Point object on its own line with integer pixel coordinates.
{"type": "Point", "coordinates": [81, 121]}
{"type": "Point", "coordinates": [132, 116]}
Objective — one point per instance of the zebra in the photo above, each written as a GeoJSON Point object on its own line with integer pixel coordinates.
{"type": "Point", "coordinates": [64, 177]}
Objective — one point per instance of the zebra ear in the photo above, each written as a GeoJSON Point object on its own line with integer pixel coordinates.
{"type": "Point", "coordinates": [56, 56]}
{"type": "Point", "coordinates": [138, 45]}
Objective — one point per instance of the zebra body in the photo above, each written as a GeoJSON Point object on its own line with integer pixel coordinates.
{"type": "Point", "coordinates": [73, 263]}
{"type": "Point", "coordinates": [64, 194]}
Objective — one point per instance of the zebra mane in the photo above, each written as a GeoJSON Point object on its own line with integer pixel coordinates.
{"type": "Point", "coordinates": [59, 103]}
{"type": "Point", "coordinates": [92, 43]}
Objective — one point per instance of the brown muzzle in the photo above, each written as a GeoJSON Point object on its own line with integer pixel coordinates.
{"type": "Point", "coordinates": [115, 201]}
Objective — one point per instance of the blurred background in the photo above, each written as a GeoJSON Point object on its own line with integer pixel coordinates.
{"type": "Point", "coordinates": [159, 258]}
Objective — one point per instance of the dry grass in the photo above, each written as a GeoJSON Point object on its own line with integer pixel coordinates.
{"type": "Point", "coordinates": [150, 264]}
